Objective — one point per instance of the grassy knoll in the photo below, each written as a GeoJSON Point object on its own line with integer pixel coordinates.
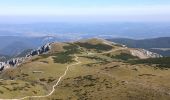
{"type": "Point", "coordinates": [114, 80]}
{"type": "Point", "coordinates": [97, 77]}
{"type": "Point", "coordinates": [33, 78]}
{"type": "Point", "coordinates": [65, 56]}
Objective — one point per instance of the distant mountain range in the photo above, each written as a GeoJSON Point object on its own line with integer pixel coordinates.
{"type": "Point", "coordinates": [88, 29]}
{"type": "Point", "coordinates": [4, 58]}
{"type": "Point", "coordinates": [158, 45]}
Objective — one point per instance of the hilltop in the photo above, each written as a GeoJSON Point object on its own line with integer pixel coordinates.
{"type": "Point", "coordinates": [90, 69]}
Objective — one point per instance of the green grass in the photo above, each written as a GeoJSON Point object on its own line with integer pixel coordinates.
{"type": "Point", "coordinates": [160, 62]}
{"type": "Point", "coordinates": [123, 56]}
{"type": "Point", "coordinates": [95, 58]}
{"type": "Point", "coordinates": [93, 79]}
{"type": "Point", "coordinates": [62, 58]}
{"type": "Point", "coordinates": [72, 48]}
{"type": "Point", "coordinates": [65, 56]}
{"type": "Point", "coordinates": [98, 47]}
{"type": "Point", "coordinates": [98, 60]}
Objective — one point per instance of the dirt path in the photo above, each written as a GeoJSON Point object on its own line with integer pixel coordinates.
{"type": "Point", "coordinates": [65, 73]}
{"type": "Point", "coordinates": [53, 90]}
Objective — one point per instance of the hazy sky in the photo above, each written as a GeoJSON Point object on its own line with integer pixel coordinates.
{"type": "Point", "coordinates": [84, 10]}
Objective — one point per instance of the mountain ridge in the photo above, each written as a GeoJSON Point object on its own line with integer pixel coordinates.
{"type": "Point", "coordinates": [141, 53]}
{"type": "Point", "coordinates": [89, 69]}
{"type": "Point", "coordinates": [149, 44]}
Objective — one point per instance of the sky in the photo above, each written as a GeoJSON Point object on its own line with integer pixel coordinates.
{"type": "Point", "coordinates": [84, 10]}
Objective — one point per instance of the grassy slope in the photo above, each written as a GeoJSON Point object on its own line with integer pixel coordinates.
{"type": "Point", "coordinates": [97, 77]}
{"type": "Point", "coordinates": [117, 80]}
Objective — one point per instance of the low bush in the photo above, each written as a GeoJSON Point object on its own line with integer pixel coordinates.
{"type": "Point", "coordinates": [63, 57]}
{"type": "Point", "coordinates": [124, 56]}
{"type": "Point", "coordinates": [98, 47]}
{"type": "Point", "coordinates": [163, 62]}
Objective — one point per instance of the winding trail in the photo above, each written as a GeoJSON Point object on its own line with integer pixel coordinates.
{"type": "Point", "coordinates": [65, 72]}
{"type": "Point", "coordinates": [53, 90]}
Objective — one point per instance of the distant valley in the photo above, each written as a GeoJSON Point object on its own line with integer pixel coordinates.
{"type": "Point", "coordinates": [18, 38]}
{"type": "Point", "coordinates": [13, 46]}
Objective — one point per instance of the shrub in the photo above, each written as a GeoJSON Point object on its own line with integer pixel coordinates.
{"type": "Point", "coordinates": [1, 92]}
{"type": "Point", "coordinates": [95, 58]}
{"type": "Point", "coordinates": [63, 57]}
{"type": "Point", "coordinates": [72, 48]}
{"type": "Point", "coordinates": [163, 62]}
{"type": "Point", "coordinates": [124, 56]}
{"type": "Point", "coordinates": [43, 79]}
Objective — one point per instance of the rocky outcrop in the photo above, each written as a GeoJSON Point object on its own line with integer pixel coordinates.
{"type": "Point", "coordinates": [150, 54]}
{"type": "Point", "coordinates": [17, 61]}
{"type": "Point", "coordinates": [2, 65]}
{"type": "Point", "coordinates": [144, 54]}
{"type": "Point", "coordinates": [41, 50]}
